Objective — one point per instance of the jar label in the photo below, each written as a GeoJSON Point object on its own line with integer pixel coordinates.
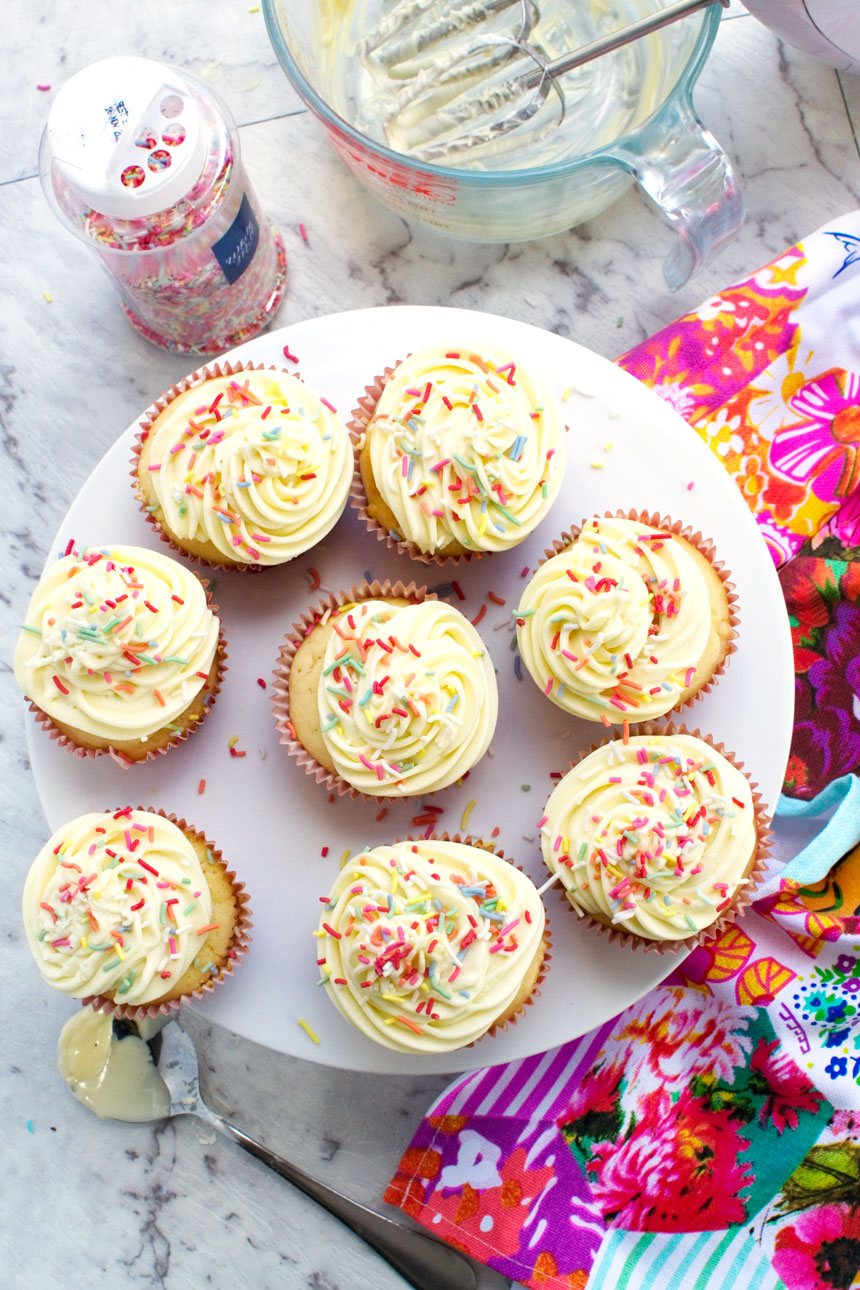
{"type": "Point", "coordinates": [235, 250]}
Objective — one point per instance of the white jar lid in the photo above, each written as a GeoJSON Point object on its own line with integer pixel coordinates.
{"type": "Point", "coordinates": [127, 135]}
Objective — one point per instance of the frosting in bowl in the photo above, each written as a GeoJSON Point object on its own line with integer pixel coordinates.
{"type": "Point", "coordinates": [407, 696]}
{"type": "Point", "coordinates": [117, 642]}
{"type": "Point", "coordinates": [424, 945]}
{"type": "Point", "coordinates": [617, 623]}
{"type": "Point", "coordinates": [466, 448]}
{"type": "Point", "coordinates": [255, 466]}
{"type": "Point", "coordinates": [116, 903]}
{"type": "Point", "coordinates": [654, 837]}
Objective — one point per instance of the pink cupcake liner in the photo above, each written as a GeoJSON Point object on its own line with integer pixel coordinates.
{"type": "Point", "coordinates": [238, 947]}
{"type": "Point", "coordinates": [753, 874]}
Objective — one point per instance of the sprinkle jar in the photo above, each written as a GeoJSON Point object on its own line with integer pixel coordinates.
{"type": "Point", "coordinates": [142, 162]}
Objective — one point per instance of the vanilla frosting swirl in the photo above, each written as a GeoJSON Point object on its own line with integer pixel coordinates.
{"type": "Point", "coordinates": [117, 641]}
{"type": "Point", "coordinates": [654, 836]}
{"type": "Point", "coordinates": [407, 697]}
{"type": "Point", "coordinates": [424, 945]}
{"type": "Point", "coordinates": [617, 623]}
{"type": "Point", "coordinates": [115, 903]}
{"type": "Point", "coordinates": [466, 447]}
{"type": "Point", "coordinates": [256, 464]}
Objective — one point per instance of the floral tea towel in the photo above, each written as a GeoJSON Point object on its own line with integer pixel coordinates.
{"type": "Point", "coordinates": [708, 1138]}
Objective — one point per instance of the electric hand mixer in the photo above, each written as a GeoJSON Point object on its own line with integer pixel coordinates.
{"type": "Point", "coordinates": [449, 57]}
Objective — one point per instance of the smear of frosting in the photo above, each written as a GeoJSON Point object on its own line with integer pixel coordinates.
{"type": "Point", "coordinates": [115, 1078]}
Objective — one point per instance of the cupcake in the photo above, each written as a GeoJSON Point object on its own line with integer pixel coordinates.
{"type": "Point", "coordinates": [120, 652]}
{"type": "Point", "coordinates": [659, 838]}
{"type": "Point", "coordinates": [426, 946]}
{"type": "Point", "coordinates": [389, 694]}
{"type": "Point", "coordinates": [627, 620]}
{"type": "Point", "coordinates": [131, 910]}
{"type": "Point", "coordinates": [461, 452]}
{"type": "Point", "coordinates": [243, 468]}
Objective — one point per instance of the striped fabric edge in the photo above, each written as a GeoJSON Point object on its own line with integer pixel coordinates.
{"type": "Point", "coordinates": [542, 1079]}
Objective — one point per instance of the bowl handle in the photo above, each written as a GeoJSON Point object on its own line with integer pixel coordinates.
{"type": "Point", "coordinates": [684, 170]}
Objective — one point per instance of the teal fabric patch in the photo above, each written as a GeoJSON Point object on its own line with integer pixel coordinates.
{"type": "Point", "coordinates": [839, 835]}
{"type": "Point", "coordinates": [731, 1260]}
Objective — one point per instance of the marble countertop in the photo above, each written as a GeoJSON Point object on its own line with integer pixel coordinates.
{"type": "Point", "coordinates": [165, 1205]}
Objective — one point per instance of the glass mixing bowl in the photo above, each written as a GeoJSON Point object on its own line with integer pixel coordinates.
{"type": "Point", "coordinates": [629, 118]}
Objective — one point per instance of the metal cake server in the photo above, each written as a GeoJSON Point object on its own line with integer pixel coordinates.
{"type": "Point", "coordinates": [423, 1261]}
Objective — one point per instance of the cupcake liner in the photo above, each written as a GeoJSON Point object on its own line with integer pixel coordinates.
{"type": "Point", "coordinates": [702, 544]}
{"type": "Point", "coordinates": [280, 694]}
{"type": "Point", "coordinates": [209, 372]}
{"type": "Point", "coordinates": [357, 426]}
{"type": "Point", "coordinates": [238, 944]}
{"type": "Point", "coordinates": [466, 839]}
{"type": "Point", "coordinates": [753, 874]}
{"type": "Point", "coordinates": [62, 740]}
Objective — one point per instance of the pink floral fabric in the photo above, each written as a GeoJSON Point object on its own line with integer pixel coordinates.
{"type": "Point", "coordinates": [768, 375]}
{"type": "Point", "coordinates": [709, 1136]}
{"type": "Point", "coordinates": [823, 601]}
{"type": "Point", "coordinates": [724, 1106]}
